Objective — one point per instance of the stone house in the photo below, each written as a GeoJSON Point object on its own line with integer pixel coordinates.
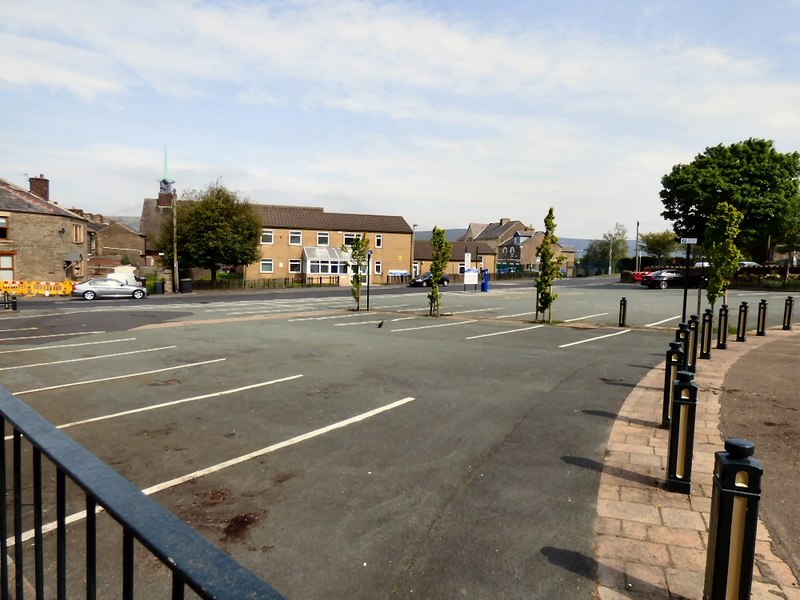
{"type": "Point", "coordinates": [518, 253]}
{"type": "Point", "coordinates": [495, 234]}
{"type": "Point", "coordinates": [482, 256]}
{"type": "Point", "coordinates": [39, 240]}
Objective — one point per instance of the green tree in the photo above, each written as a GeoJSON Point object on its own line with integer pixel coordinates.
{"type": "Point", "coordinates": [751, 176]}
{"type": "Point", "coordinates": [789, 238]}
{"type": "Point", "coordinates": [721, 250]}
{"type": "Point", "coordinates": [658, 244]}
{"type": "Point", "coordinates": [359, 256]}
{"type": "Point", "coordinates": [549, 268]}
{"type": "Point", "coordinates": [600, 253]}
{"type": "Point", "coordinates": [215, 227]}
{"type": "Point", "coordinates": [440, 256]}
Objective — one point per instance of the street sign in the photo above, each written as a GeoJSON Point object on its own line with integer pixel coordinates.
{"type": "Point", "coordinates": [688, 240]}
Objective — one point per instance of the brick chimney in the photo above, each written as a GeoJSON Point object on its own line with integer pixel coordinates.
{"type": "Point", "coordinates": [40, 186]}
{"type": "Point", "coordinates": [504, 220]}
{"type": "Point", "coordinates": [164, 199]}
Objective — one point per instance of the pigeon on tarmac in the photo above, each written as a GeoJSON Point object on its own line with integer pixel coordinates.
{"type": "Point", "coordinates": [380, 324]}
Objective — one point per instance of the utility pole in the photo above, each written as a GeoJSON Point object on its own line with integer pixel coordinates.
{"type": "Point", "coordinates": [610, 248]}
{"type": "Point", "coordinates": [638, 266]}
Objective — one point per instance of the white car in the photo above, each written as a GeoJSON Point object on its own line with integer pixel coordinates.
{"type": "Point", "coordinates": [108, 288]}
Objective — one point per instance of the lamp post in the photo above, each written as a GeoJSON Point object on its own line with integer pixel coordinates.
{"type": "Point", "coordinates": [411, 265]}
{"type": "Point", "coordinates": [369, 273]}
{"type": "Point", "coordinates": [637, 246]}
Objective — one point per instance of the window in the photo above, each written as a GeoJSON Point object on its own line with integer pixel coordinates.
{"type": "Point", "coordinates": [322, 238]}
{"type": "Point", "coordinates": [6, 267]}
{"type": "Point", "coordinates": [295, 238]}
{"type": "Point", "coordinates": [3, 228]}
{"type": "Point", "coordinates": [77, 234]}
{"type": "Point", "coordinates": [461, 268]}
{"type": "Point", "coordinates": [266, 265]}
{"type": "Point", "coordinates": [378, 267]}
{"type": "Point", "coordinates": [349, 238]}
{"type": "Point", "coordinates": [295, 265]}
{"type": "Point", "coordinates": [327, 266]}
{"type": "Point", "coordinates": [266, 236]}
{"type": "Point", "coordinates": [378, 240]}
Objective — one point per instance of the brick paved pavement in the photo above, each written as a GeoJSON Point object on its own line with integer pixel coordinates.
{"type": "Point", "coordinates": [650, 543]}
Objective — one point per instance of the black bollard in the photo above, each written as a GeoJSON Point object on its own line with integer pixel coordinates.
{"type": "Point", "coordinates": [673, 365]}
{"type": "Point", "coordinates": [682, 336]}
{"type": "Point", "coordinates": [741, 323]}
{"type": "Point", "coordinates": [681, 434]}
{"type": "Point", "coordinates": [788, 309]}
{"type": "Point", "coordinates": [13, 302]}
{"type": "Point", "coordinates": [761, 319]}
{"type": "Point", "coordinates": [623, 311]}
{"type": "Point", "coordinates": [722, 328]}
{"type": "Point", "coordinates": [6, 301]}
{"type": "Point", "coordinates": [734, 519]}
{"type": "Point", "coordinates": [705, 334]}
{"type": "Point", "coordinates": [691, 357]}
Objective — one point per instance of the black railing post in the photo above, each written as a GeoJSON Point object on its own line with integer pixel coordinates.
{"type": "Point", "coordinates": [623, 311]}
{"type": "Point", "coordinates": [741, 323]}
{"type": "Point", "coordinates": [671, 368]}
{"type": "Point", "coordinates": [681, 434]}
{"type": "Point", "coordinates": [722, 328]}
{"type": "Point", "coordinates": [3, 520]}
{"type": "Point", "coordinates": [734, 520]}
{"type": "Point", "coordinates": [788, 309]}
{"type": "Point", "coordinates": [761, 319]}
{"type": "Point", "coordinates": [682, 336]}
{"type": "Point", "coordinates": [691, 357]}
{"type": "Point", "coordinates": [705, 334]}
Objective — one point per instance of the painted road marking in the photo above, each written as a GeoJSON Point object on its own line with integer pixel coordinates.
{"type": "Point", "coordinates": [599, 337]}
{"type": "Point", "coordinates": [52, 335]}
{"type": "Point", "coordinates": [72, 360]}
{"type": "Point", "coordinates": [463, 312]}
{"type": "Point", "coordinates": [19, 329]}
{"type": "Point", "coordinates": [433, 326]}
{"type": "Point", "coordinates": [663, 321]}
{"type": "Point", "coordinates": [78, 516]}
{"type": "Point", "coordinates": [66, 346]}
{"type": "Point", "coordinates": [65, 385]}
{"type": "Point", "coordinates": [324, 318]}
{"type": "Point", "coordinates": [586, 317]}
{"type": "Point", "coordinates": [516, 315]}
{"type": "Point", "coordinates": [475, 337]}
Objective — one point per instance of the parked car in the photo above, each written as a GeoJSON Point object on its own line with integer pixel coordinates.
{"type": "Point", "coordinates": [108, 288]}
{"type": "Point", "coordinates": [672, 278]}
{"type": "Point", "coordinates": [746, 264]}
{"type": "Point", "coordinates": [425, 280]}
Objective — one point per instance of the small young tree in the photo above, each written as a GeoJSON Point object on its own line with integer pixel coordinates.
{"type": "Point", "coordinates": [440, 256]}
{"type": "Point", "coordinates": [549, 268]}
{"type": "Point", "coordinates": [659, 244]}
{"type": "Point", "coordinates": [721, 233]}
{"type": "Point", "coordinates": [359, 253]}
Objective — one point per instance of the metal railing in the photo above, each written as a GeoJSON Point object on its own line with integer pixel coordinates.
{"type": "Point", "coordinates": [192, 561]}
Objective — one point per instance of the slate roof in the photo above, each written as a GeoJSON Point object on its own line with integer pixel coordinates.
{"type": "Point", "coordinates": [424, 251]}
{"type": "Point", "coordinates": [295, 217]}
{"type": "Point", "coordinates": [16, 199]}
{"type": "Point", "coordinates": [500, 231]}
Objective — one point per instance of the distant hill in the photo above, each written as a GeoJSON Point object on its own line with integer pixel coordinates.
{"type": "Point", "coordinates": [450, 234]}
{"type": "Point", "coordinates": [581, 244]}
{"type": "Point", "coordinates": [129, 222]}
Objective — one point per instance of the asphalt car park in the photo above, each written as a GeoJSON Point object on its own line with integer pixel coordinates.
{"type": "Point", "coordinates": [336, 458]}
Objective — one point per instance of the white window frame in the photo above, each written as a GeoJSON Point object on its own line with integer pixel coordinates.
{"type": "Point", "coordinates": [461, 268]}
{"type": "Point", "coordinates": [295, 265]}
{"type": "Point", "coordinates": [378, 240]}
{"type": "Point", "coordinates": [267, 233]}
{"type": "Point", "coordinates": [296, 234]}
{"type": "Point", "coordinates": [352, 236]}
{"type": "Point", "coordinates": [323, 235]}
{"type": "Point", "coordinates": [263, 263]}
{"type": "Point", "coordinates": [6, 267]}
{"type": "Point", "coordinates": [378, 267]}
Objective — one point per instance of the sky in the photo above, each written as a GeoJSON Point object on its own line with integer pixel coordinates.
{"type": "Point", "coordinates": [443, 112]}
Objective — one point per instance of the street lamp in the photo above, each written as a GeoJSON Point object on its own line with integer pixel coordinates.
{"type": "Point", "coordinates": [369, 273]}
{"type": "Point", "coordinates": [411, 265]}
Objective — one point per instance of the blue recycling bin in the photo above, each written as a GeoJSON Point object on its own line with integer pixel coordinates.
{"type": "Point", "coordinates": [485, 281]}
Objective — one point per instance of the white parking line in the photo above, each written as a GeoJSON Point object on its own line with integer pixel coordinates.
{"type": "Point", "coordinates": [19, 329]}
{"type": "Point", "coordinates": [475, 337]}
{"type": "Point", "coordinates": [52, 335]}
{"type": "Point", "coordinates": [599, 337]}
{"type": "Point", "coordinates": [72, 360]}
{"type": "Point", "coordinates": [586, 317]}
{"type": "Point", "coordinates": [35, 348]}
{"type": "Point", "coordinates": [324, 318]}
{"type": "Point", "coordinates": [65, 385]}
{"type": "Point", "coordinates": [463, 312]}
{"type": "Point", "coordinates": [533, 312]}
{"type": "Point", "coordinates": [359, 323]}
{"type": "Point", "coordinates": [663, 321]}
{"type": "Point", "coordinates": [78, 516]}
{"type": "Point", "coordinates": [434, 326]}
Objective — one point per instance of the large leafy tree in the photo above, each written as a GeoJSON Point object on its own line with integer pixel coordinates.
{"type": "Point", "coordinates": [359, 258]}
{"type": "Point", "coordinates": [440, 256]}
{"type": "Point", "coordinates": [215, 226]}
{"type": "Point", "coordinates": [789, 238]}
{"type": "Point", "coordinates": [658, 244]}
{"type": "Point", "coordinates": [721, 250]}
{"type": "Point", "coordinates": [751, 176]}
{"type": "Point", "coordinates": [549, 268]}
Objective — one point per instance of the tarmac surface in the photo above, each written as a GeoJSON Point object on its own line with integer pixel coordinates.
{"type": "Point", "coordinates": [651, 543]}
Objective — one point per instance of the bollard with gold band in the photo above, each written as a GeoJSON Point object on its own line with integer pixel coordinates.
{"type": "Point", "coordinates": [682, 336]}
{"type": "Point", "coordinates": [722, 328]}
{"type": "Point", "coordinates": [673, 365]}
{"type": "Point", "coordinates": [788, 309]}
{"type": "Point", "coordinates": [734, 520]}
{"type": "Point", "coordinates": [681, 434]}
{"type": "Point", "coordinates": [691, 356]}
{"type": "Point", "coordinates": [741, 323]}
{"type": "Point", "coordinates": [761, 319]}
{"type": "Point", "coordinates": [705, 333]}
